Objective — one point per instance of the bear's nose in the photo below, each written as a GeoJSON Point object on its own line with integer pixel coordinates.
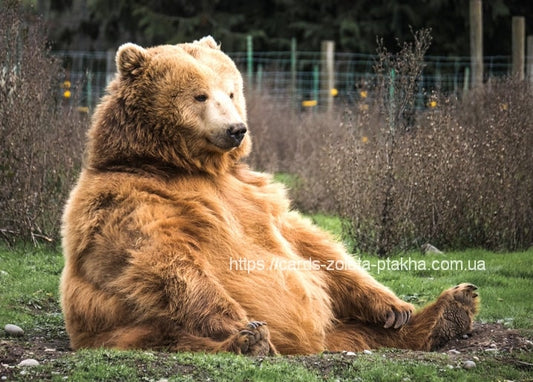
{"type": "Point", "coordinates": [236, 133]}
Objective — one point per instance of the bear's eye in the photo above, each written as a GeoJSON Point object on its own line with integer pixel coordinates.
{"type": "Point", "coordinates": [201, 98]}
{"type": "Point", "coordinates": [231, 95]}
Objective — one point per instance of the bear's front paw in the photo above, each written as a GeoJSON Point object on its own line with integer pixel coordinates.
{"type": "Point", "coordinates": [397, 315]}
{"type": "Point", "coordinates": [255, 340]}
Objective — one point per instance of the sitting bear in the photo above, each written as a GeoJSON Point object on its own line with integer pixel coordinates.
{"type": "Point", "coordinates": [171, 242]}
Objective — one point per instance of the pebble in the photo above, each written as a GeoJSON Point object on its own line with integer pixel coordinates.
{"type": "Point", "coordinates": [367, 351]}
{"type": "Point", "coordinates": [350, 353]}
{"type": "Point", "coordinates": [29, 362]}
{"type": "Point", "coordinates": [469, 365]}
{"type": "Point", "coordinates": [454, 351]}
{"type": "Point", "coordinates": [14, 330]}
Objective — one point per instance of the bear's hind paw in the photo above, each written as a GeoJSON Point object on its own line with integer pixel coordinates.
{"type": "Point", "coordinates": [459, 306]}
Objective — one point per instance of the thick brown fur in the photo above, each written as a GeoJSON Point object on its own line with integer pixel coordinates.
{"type": "Point", "coordinates": [171, 242]}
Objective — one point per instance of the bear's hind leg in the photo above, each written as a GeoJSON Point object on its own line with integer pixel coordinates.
{"type": "Point", "coordinates": [451, 315]}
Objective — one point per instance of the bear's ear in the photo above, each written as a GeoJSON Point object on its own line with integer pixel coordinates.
{"type": "Point", "coordinates": [131, 59]}
{"type": "Point", "coordinates": [209, 42]}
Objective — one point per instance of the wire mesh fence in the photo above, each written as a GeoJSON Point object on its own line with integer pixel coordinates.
{"type": "Point", "coordinates": [289, 76]}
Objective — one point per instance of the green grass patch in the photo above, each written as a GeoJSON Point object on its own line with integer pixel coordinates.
{"type": "Point", "coordinates": [290, 180]}
{"type": "Point", "coordinates": [505, 281]}
{"type": "Point", "coordinates": [29, 297]}
{"type": "Point", "coordinates": [29, 279]}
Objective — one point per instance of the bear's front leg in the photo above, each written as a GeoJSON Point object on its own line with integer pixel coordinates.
{"type": "Point", "coordinates": [356, 294]}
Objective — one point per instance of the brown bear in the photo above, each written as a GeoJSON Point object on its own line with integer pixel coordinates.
{"type": "Point", "coordinates": [171, 242]}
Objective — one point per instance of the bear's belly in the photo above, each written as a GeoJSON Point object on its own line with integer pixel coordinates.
{"type": "Point", "coordinates": [288, 293]}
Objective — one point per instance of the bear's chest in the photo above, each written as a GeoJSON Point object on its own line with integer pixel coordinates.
{"type": "Point", "coordinates": [263, 271]}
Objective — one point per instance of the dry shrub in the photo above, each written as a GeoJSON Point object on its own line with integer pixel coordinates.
{"type": "Point", "coordinates": [291, 141]}
{"type": "Point", "coordinates": [274, 131]}
{"type": "Point", "coordinates": [460, 177]}
{"type": "Point", "coordinates": [477, 164]}
{"type": "Point", "coordinates": [41, 137]}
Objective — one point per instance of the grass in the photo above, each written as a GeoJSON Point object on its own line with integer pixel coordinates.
{"type": "Point", "coordinates": [29, 296]}
{"type": "Point", "coordinates": [505, 281]}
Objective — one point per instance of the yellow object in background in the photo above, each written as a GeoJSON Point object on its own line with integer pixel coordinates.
{"type": "Point", "coordinates": [309, 103]}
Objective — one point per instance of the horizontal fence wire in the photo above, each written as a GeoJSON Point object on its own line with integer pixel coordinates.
{"type": "Point", "coordinates": [291, 77]}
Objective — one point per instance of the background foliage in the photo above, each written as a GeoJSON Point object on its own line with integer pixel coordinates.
{"type": "Point", "coordinates": [353, 25]}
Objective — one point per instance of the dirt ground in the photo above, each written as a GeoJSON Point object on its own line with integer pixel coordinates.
{"type": "Point", "coordinates": [487, 338]}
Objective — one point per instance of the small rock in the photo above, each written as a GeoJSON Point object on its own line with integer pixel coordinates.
{"type": "Point", "coordinates": [466, 336]}
{"type": "Point", "coordinates": [14, 330]}
{"type": "Point", "coordinates": [367, 351]}
{"type": "Point", "coordinates": [350, 353]}
{"type": "Point", "coordinates": [475, 358]}
{"type": "Point", "coordinates": [29, 362]}
{"type": "Point", "coordinates": [469, 365]}
{"type": "Point", "coordinates": [454, 351]}
{"type": "Point", "coordinates": [49, 350]}
{"type": "Point", "coordinates": [428, 248]}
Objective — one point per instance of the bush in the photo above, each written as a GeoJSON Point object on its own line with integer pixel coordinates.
{"type": "Point", "coordinates": [41, 137]}
{"type": "Point", "coordinates": [458, 174]}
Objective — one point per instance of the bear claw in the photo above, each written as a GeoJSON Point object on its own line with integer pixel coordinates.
{"type": "Point", "coordinates": [255, 324]}
{"type": "Point", "coordinates": [397, 319]}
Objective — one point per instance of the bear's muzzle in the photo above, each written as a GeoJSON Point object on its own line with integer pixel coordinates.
{"type": "Point", "coordinates": [235, 134]}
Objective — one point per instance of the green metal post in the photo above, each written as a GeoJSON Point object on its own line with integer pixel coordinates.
{"type": "Point", "coordinates": [89, 90]}
{"type": "Point", "coordinates": [250, 60]}
{"type": "Point", "coordinates": [293, 90]}
{"type": "Point", "coordinates": [316, 83]}
{"type": "Point", "coordinates": [259, 76]}
{"type": "Point", "coordinates": [466, 80]}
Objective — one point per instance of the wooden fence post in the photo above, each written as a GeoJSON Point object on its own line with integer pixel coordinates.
{"type": "Point", "coordinates": [519, 42]}
{"type": "Point", "coordinates": [327, 75]}
{"type": "Point", "coordinates": [476, 42]}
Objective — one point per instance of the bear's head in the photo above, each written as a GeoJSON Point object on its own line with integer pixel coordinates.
{"type": "Point", "coordinates": [171, 107]}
